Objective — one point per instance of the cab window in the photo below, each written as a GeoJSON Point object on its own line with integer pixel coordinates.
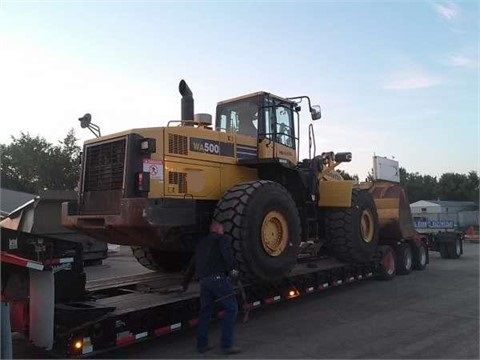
{"type": "Point", "coordinates": [239, 117]}
{"type": "Point", "coordinates": [284, 126]}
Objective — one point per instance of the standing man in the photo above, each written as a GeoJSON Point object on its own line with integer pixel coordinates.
{"type": "Point", "coordinates": [213, 264]}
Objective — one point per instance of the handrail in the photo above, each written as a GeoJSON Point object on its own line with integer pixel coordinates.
{"type": "Point", "coordinates": [311, 140]}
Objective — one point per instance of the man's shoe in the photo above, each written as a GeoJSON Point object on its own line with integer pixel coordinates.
{"type": "Point", "coordinates": [204, 350]}
{"type": "Point", "coordinates": [231, 351]}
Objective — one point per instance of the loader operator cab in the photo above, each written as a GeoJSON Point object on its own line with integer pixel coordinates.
{"type": "Point", "coordinates": [273, 120]}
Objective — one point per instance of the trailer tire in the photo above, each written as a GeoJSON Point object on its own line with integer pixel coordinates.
{"type": "Point", "coordinates": [404, 259]}
{"type": "Point", "coordinates": [444, 253]}
{"type": "Point", "coordinates": [262, 220]}
{"type": "Point", "coordinates": [388, 263]}
{"type": "Point", "coordinates": [420, 256]}
{"type": "Point", "coordinates": [455, 250]}
{"type": "Point", "coordinates": [161, 261]}
{"type": "Point", "coordinates": [353, 232]}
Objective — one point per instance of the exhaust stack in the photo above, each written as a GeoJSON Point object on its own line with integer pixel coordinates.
{"type": "Point", "coordinates": [187, 103]}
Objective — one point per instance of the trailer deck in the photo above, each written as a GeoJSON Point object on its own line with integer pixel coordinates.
{"type": "Point", "coordinates": [99, 315]}
{"type": "Point", "coordinates": [128, 309]}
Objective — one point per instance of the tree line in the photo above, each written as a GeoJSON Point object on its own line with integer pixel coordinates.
{"type": "Point", "coordinates": [30, 164]}
{"type": "Point", "coordinates": [448, 187]}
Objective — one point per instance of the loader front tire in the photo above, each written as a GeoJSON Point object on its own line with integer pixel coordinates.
{"type": "Point", "coordinates": [352, 233]}
{"type": "Point", "coordinates": [262, 221]}
{"type": "Point", "coordinates": [161, 261]}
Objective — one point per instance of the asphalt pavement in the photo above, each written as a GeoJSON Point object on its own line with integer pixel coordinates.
{"type": "Point", "coordinates": [431, 314]}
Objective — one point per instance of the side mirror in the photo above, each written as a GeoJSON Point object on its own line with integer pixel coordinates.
{"type": "Point", "coordinates": [316, 112]}
{"type": "Point", "coordinates": [85, 120]}
{"type": "Point", "coordinates": [86, 123]}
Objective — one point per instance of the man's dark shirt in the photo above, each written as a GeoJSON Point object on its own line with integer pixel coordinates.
{"type": "Point", "coordinates": [213, 255]}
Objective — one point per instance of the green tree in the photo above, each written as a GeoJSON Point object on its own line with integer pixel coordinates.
{"type": "Point", "coordinates": [31, 164]}
{"type": "Point", "coordinates": [473, 184]}
{"type": "Point", "coordinates": [346, 175]}
{"type": "Point", "coordinates": [459, 187]}
{"type": "Point", "coordinates": [418, 187]}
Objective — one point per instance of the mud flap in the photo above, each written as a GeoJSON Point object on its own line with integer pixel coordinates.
{"type": "Point", "coordinates": [42, 304]}
{"type": "Point", "coordinates": [387, 262]}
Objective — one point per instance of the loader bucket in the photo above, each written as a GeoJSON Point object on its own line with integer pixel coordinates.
{"type": "Point", "coordinates": [393, 209]}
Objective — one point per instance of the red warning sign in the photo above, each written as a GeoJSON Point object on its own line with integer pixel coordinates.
{"type": "Point", "coordinates": [154, 167]}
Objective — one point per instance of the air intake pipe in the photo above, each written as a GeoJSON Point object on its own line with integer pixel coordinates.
{"type": "Point", "coordinates": [187, 103]}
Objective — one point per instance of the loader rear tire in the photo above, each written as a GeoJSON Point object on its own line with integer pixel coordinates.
{"type": "Point", "coordinates": [161, 261]}
{"type": "Point", "coordinates": [352, 233]}
{"type": "Point", "coordinates": [262, 220]}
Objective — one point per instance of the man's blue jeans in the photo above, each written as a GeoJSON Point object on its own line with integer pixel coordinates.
{"type": "Point", "coordinates": [212, 288]}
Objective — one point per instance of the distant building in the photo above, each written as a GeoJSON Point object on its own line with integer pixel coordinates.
{"type": "Point", "coordinates": [437, 214]}
{"type": "Point", "coordinates": [10, 200]}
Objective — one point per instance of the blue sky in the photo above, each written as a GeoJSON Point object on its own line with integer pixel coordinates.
{"type": "Point", "coordinates": [393, 78]}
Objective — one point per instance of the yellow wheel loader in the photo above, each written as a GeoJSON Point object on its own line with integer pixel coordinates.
{"type": "Point", "coordinates": [157, 189]}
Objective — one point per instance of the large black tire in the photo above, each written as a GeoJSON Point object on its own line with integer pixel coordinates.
{"type": "Point", "coordinates": [262, 220]}
{"type": "Point", "coordinates": [404, 259]}
{"type": "Point", "coordinates": [420, 257]}
{"type": "Point", "coordinates": [352, 233]}
{"type": "Point", "coordinates": [455, 249]}
{"type": "Point", "coordinates": [161, 261]}
{"type": "Point", "coordinates": [443, 249]}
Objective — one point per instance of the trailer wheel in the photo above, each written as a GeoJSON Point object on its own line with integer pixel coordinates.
{"type": "Point", "coordinates": [353, 232]}
{"type": "Point", "coordinates": [404, 259]}
{"type": "Point", "coordinates": [442, 248]}
{"type": "Point", "coordinates": [162, 261]}
{"type": "Point", "coordinates": [262, 220]}
{"type": "Point", "coordinates": [388, 265]}
{"type": "Point", "coordinates": [455, 250]}
{"type": "Point", "coordinates": [420, 257]}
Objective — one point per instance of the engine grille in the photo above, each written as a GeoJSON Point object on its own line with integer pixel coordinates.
{"type": "Point", "coordinates": [179, 179]}
{"type": "Point", "coordinates": [104, 166]}
{"type": "Point", "coordinates": [177, 144]}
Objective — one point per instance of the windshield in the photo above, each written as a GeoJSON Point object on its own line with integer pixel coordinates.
{"type": "Point", "coordinates": [279, 122]}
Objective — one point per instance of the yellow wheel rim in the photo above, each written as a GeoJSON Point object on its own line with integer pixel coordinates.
{"type": "Point", "coordinates": [274, 233]}
{"type": "Point", "coordinates": [367, 226]}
